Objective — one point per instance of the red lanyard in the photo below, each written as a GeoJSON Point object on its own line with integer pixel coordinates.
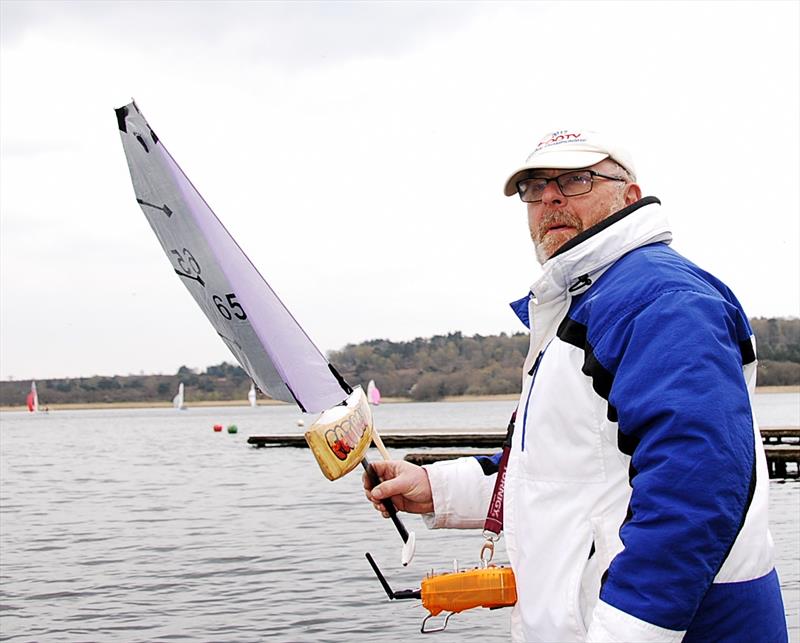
{"type": "Point", "coordinates": [494, 517]}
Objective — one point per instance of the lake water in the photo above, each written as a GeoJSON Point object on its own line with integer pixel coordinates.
{"type": "Point", "coordinates": [145, 525]}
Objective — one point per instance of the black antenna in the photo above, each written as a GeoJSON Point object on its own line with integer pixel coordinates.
{"type": "Point", "coordinates": [403, 593]}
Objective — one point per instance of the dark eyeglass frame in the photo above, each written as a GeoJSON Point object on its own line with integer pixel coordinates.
{"type": "Point", "coordinates": [591, 173]}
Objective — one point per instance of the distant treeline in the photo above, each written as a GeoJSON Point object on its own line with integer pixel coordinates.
{"type": "Point", "coordinates": [218, 383]}
{"type": "Point", "coordinates": [422, 369]}
{"type": "Point", "coordinates": [778, 347]}
{"type": "Point", "coordinates": [443, 365]}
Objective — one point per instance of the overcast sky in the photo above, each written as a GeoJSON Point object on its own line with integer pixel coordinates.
{"type": "Point", "coordinates": [357, 152]}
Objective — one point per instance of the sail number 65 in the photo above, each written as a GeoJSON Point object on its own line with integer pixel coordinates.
{"type": "Point", "coordinates": [233, 309]}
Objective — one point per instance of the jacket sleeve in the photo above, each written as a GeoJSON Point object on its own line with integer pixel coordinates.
{"type": "Point", "coordinates": [681, 402]}
{"type": "Point", "coordinates": [462, 489]}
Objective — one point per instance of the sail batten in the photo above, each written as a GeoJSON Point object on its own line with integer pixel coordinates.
{"type": "Point", "coordinates": [245, 311]}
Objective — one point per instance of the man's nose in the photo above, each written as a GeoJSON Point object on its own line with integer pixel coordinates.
{"type": "Point", "coordinates": [552, 194]}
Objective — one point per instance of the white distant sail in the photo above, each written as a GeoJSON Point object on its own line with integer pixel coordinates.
{"type": "Point", "coordinates": [266, 340]}
{"type": "Point", "coordinates": [373, 394]}
{"type": "Point", "coordinates": [177, 401]}
{"type": "Point", "coordinates": [33, 399]}
{"type": "Point", "coordinates": [251, 395]}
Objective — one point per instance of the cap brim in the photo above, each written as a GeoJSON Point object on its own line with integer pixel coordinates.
{"type": "Point", "coordinates": [556, 160]}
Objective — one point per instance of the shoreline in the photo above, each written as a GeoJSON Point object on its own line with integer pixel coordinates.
{"type": "Point", "coordinates": [267, 402]}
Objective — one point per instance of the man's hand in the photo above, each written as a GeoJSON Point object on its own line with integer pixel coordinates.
{"type": "Point", "coordinates": [406, 484]}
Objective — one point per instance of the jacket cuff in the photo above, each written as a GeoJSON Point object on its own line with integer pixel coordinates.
{"type": "Point", "coordinates": [612, 625]}
{"type": "Point", "coordinates": [461, 493]}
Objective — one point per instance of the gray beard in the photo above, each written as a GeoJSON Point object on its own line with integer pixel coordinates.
{"type": "Point", "coordinates": [540, 256]}
{"type": "Point", "coordinates": [617, 203]}
{"type": "Point", "coordinates": [547, 219]}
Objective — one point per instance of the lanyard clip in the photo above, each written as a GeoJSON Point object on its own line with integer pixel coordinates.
{"type": "Point", "coordinates": [487, 551]}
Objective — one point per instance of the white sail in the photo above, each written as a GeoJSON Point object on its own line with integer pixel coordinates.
{"type": "Point", "coordinates": [177, 401]}
{"type": "Point", "coordinates": [261, 333]}
{"type": "Point", "coordinates": [251, 395]}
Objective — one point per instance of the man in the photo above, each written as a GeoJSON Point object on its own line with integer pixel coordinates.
{"type": "Point", "coordinates": [636, 488]}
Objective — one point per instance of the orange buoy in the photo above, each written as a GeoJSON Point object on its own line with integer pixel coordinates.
{"type": "Point", "coordinates": [218, 427]}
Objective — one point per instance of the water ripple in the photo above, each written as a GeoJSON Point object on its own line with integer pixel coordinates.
{"type": "Point", "coordinates": [147, 526]}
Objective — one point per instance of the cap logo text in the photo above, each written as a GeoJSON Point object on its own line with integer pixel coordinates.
{"type": "Point", "coordinates": [562, 136]}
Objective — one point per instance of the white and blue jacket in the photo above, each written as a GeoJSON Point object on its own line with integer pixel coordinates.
{"type": "Point", "coordinates": [635, 501]}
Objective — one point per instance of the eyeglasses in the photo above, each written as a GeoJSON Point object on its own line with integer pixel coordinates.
{"type": "Point", "coordinates": [570, 184]}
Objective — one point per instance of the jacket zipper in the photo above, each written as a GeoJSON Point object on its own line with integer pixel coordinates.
{"type": "Point", "coordinates": [532, 373]}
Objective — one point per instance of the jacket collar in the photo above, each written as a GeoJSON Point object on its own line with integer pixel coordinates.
{"type": "Point", "coordinates": [580, 261]}
{"type": "Point", "coordinates": [605, 223]}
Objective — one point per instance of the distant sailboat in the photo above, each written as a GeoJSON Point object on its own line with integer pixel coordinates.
{"type": "Point", "coordinates": [177, 401]}
{"type": "Point", "coordinates": [251, 396]}
{"type": "Point", "coordinates": [33, 399]}
{"type": "Point", "coordinates": [373, 394]}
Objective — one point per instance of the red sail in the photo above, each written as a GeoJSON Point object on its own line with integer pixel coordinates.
{"type": "Point", "coordinates": [30, 402]}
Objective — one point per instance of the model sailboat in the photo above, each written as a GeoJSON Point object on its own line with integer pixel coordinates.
{"type": "Point", "coordinates": [373, 394]}
{"type": "Point", "coordinates": [177, 401]}
{"type": "Point", "coordinates": [32, 399]}
{"type": "Point", "coordinates": [246, 313]}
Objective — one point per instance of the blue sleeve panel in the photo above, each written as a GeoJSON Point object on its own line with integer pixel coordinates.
{"type": "Point", "coordinates": [668, 339]}
{"type": "Point", "coordinates": [489, 464]}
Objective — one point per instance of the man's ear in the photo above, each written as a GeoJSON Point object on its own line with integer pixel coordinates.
{"type": "Point", "coordinates": [632, 193]}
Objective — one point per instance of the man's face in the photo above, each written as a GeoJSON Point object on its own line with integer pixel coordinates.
{"type": "Point", "coordinates": [556, 218]}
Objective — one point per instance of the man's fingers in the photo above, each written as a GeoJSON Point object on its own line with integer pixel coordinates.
{"type": "Point", "coordinates": [389, 488]}
{"type": "Point", "coordinates": [404, 483]}
{"type": "Point", "coordinates": [382, 470]}
{"type": "Point", "coordinates": [377, 504]}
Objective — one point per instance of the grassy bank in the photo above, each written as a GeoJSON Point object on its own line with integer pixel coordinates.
{"type": "Point", "coordinates": [778, 389]}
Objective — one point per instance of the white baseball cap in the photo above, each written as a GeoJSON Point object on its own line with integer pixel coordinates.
{"type": "Point", "coordinates": [571, 149]}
